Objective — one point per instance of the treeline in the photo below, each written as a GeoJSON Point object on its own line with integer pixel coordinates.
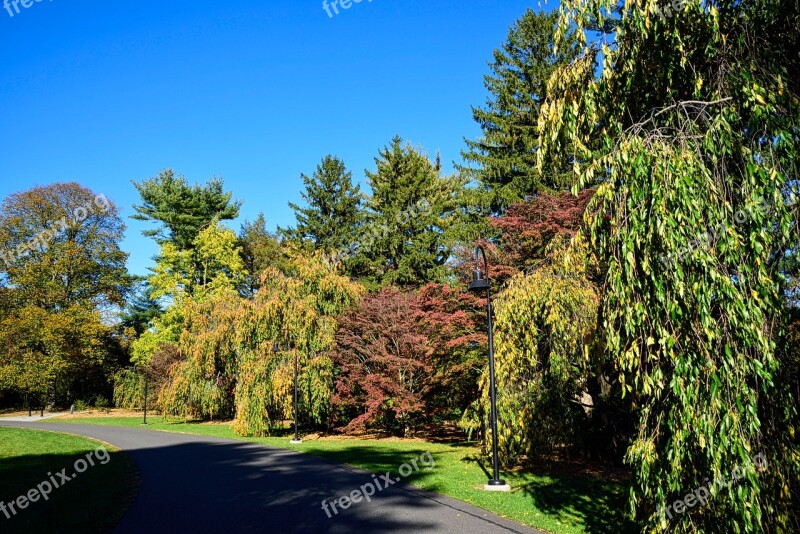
{"type": "Point", "coordinates": [637, 198]}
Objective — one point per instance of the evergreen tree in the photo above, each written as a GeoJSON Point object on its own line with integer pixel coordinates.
{"type": "Point", "coordinates": [260, 249]}
{"type": "Point", "coordinates": [141, 307]}
{"type": "Point", "coordinates": [332, 214]}
{"type": "Point", "coordinates": [183, 210]}
{"type": "Point", "coordinates": [410, 214]}
{"type": "Point", "coordinates": [504, 157]}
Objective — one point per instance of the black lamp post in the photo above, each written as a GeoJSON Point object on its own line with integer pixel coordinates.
{"type": "Point", "coordinates": [145, 396]}
{"type": "Point", "coordinates": [144, 403]}
{"type": "Point", "coordinates": [479, 283]}
{"type": "Point", "coordinates": [296, 440]}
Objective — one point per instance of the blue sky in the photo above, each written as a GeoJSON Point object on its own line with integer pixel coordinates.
{"type": "Point", "coordinates": [256, 92]}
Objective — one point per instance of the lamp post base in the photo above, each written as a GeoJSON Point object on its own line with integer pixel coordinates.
{"type": "Point", "coordinates": [497, 485]}
{"type": "Point", "coordinates": [296, 441]}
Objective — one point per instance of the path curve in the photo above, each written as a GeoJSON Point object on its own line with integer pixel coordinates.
{"type": "Point", "coordinates": [201, 484]}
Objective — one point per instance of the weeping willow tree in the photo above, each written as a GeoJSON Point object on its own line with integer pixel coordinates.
{"type": "Point", "coordinates": [201, 384]}
{"type": "Point", "coordinates": [692, 129]}
{"type": "Point", "coordinates": [293, 312]}
{"type": "Point", "coordinates": [545, 323]}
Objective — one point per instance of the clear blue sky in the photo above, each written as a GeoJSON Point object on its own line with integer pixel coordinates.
{"type": "Point", "coordinates": [256, 92]}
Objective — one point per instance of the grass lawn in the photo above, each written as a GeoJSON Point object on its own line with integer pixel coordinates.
{"type": "Point", "coordinates": [93, 501]}
{"type": "Point", "coordinates": [557, 504]}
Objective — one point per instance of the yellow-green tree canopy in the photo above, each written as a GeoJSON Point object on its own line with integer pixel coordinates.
{"type": "Point", "coordinates": [691, 129]}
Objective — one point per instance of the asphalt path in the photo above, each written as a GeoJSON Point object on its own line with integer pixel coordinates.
{"type": "Point", "coordinates": [198, 484]}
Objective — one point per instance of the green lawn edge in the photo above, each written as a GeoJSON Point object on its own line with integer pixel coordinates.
{"type": "Point", "coordinates": [92, 501]}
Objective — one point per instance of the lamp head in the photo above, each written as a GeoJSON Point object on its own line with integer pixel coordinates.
{"type": "Point", "coordinates": [479, 282]}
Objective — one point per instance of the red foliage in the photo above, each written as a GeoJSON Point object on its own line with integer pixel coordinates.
{"type": "Point", "coordinates": [530, 227]}
{"type": "Point", "coordinates": [527, 231]}
{"type": "Point", "coordinates": [404, 358]}
{"type": "Point", "coordinates": [384, 361]}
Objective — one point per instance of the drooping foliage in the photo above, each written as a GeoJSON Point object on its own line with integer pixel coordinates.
{"type": "Point", "coordinates": [697, 158]}
{"type": "Point", "coordinates": [545, 323]}
{"type": "Point", "coordinates": [294, 312]}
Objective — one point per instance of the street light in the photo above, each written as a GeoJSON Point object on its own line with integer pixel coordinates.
{"type": "Point", "coordinates": [479, 283]}
{"type": "Point", "coordinates": [296, 440]}
{"type": "Point", "coordinates": [144, 372]}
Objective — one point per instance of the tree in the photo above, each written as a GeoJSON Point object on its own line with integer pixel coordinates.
{"type": "Point", "coordinates": [384, 364]}
{"type": "Point", "coordinates": [63, 269]}
{"type": "Point", "coordinates": [410, 212]}
{"type": "Point", "coordinates": [405, 359]}
{"type": "Point", "coordinates": [545, 327]}
{"type": "Point", "coordinates": [60, 247]}
{"type": "Point", "coordinates": [141, 309]}
{"type": "Point", "coordinates": [260, 249]}
{"type": "Point", "coordinates": [213, 263]}
{"type": "Point", "coordinates": [505, 157]}
{"type": "Point", "coordinates": [294, 312]}
{"type": "Point", "coordinates": [332, 215]}
{"type": "Point", "coordinates": [697, 160]}
{"type": "Point", "coordinates": [182, 210]}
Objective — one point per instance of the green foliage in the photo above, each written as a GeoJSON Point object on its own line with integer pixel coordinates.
{"type": "Point", "coordinates": [213, 264]}
{"type": "Point", "coordinates": [141, 309]}
{"type": "Point", "coordinates": [332, 215]}
{"type": "Point", "coordinates": [182, 210]}
{"type": "Point", "coordinates": [128, 390]}
{"type": "Point", "coordinates": [545, 324]}
{"type": "Point", "coordinates": [696, 157]}
{"type": "Point", "coordinates": [296, 311]}
{"type": "Point", "coordinates": [411, 210]}
{"type": "Point", "coordinates": [259, 249]}
{"type": "Point", "coordinates": [506, 154]}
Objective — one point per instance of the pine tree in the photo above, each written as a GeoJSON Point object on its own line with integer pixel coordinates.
{"type": "Point", "coordinates": [410, 213]}
{"type": "Point", "coordinates": [332, 214]}
{"type": "Point", "coordinates": [183, 210]}
{"type": "Point", "coordinates": [260, 249]}
{"type": "Point", "coordinates": [504, 157]}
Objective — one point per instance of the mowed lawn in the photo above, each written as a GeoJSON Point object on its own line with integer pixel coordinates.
{"type": "Point", "coordinates": [92, 501]}
{"type": "Point", "coordinates": [557, 504]}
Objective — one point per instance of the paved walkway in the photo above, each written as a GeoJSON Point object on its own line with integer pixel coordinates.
{"type": "Point", "coordinates": [33, 418]}
{"type": "Point", "coordinates": [205, 484]}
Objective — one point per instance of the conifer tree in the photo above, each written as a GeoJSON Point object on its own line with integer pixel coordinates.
{"type": "Point", "coordinates": [503, 160]}
{"type": "Point", "coordinates": [410, 213]}
{"type": "Point", "coordinates": [332, 214]}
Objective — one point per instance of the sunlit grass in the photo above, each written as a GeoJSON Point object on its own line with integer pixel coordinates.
{"type": "Point", "coordinates": [93, 501]}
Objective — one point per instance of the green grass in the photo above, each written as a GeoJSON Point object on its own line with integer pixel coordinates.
{"type": "Point", "coordinates": [93, 501]}
{"type": "Point", "coordinates": [558, 504]}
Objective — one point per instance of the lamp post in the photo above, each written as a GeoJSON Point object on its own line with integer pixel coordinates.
{"type": "Point", "coordinates": [296, 440]}
{"type": "Point", "coordinates": [144, 423]}
{"type": "Point", "coordinates": [479, 283]}
{"type": "Point", "coordinates": [144, 403]}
